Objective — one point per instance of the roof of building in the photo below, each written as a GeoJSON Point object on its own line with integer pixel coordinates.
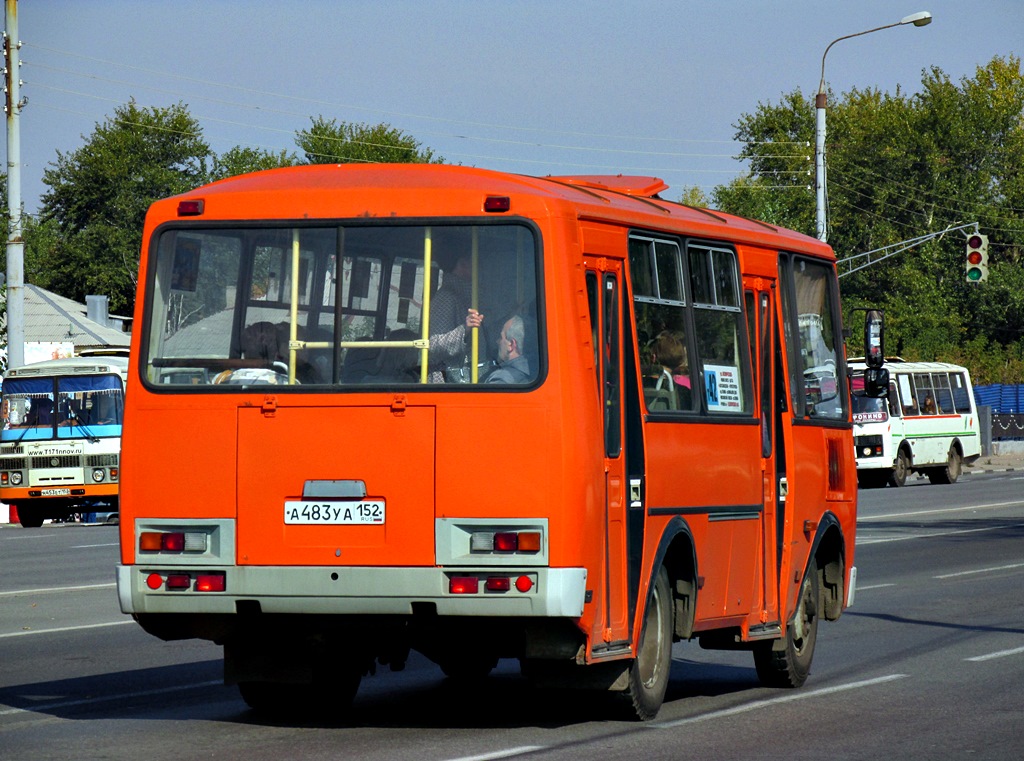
{"type": "Point", "coordinates": [50, 318]}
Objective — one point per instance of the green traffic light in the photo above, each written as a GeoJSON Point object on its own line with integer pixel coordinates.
{"type": "Point", "coordinates": [973, 274]}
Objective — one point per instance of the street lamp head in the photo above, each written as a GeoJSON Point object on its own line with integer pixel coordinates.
{"type": "Point", "coordinates": [921, 18]}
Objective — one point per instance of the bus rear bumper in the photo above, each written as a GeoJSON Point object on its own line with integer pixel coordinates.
{"type": "Point", "coordinates": [540, 592]}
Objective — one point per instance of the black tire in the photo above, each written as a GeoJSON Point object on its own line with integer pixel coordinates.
{"type": "Point", "coordinates": [330, 694]}
{"type": "Point", "coordinates": [29, 517]}
{"type": "Point", "coordinates": [872, 479]}
{"type": "Point", "coordinates": [786, 662]}
{"type": "Point", "coordinates": [472, 667]}
{"type": "Point", "coordinates": [949, 473]}
{"type": "Point", "coordinates": [650, 670]}
{"type": "Point", "coordinates": [900, 469]}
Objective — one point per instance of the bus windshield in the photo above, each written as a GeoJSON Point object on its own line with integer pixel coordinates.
{"type": "Point", "coordinates": [343, 304]}
{"type": "Point", "coordinates": [867, 409]}
{"type": "Point", "coordinates": [65, 407]}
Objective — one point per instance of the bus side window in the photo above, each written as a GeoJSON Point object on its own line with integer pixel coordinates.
{"type": "Point", "coordinates": [961, 397]}
{"type": "Point", "coordinates": [943, 394]}
{"type": "Point", "coordinates": [906, 386]}
{"type": "Point", "coordinates": [719, 329]}
{"type": "Point", "coordinates": [894, 401]}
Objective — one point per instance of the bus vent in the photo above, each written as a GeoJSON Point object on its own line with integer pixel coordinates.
{"type": "Point", "coordinates": [57, 461]}
{"type": "Point", "coordinates": [100, 460]}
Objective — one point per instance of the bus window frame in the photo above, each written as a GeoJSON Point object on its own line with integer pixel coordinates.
{"type": "Point", "coordinates": [688, 306]}
{"type": "Point", "coordinates": [788, 261]}
{"type": "Point", "coordinates": [339, 226]}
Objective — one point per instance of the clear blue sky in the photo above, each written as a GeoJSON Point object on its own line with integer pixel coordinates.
{"type": "Point", "coordinates": [530, 86]}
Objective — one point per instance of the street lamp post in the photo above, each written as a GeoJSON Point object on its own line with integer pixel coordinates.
{"type": "Point", "coordinates": [922, 18]}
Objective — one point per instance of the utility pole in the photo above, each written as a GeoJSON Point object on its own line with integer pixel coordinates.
{"type": "Point", "coordinates": [15, 242]}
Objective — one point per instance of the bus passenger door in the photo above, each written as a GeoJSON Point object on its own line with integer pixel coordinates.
{"type": "Point", "coordinates": [773, 402]}
{"type": "Point", "coordinates": [604, 285]}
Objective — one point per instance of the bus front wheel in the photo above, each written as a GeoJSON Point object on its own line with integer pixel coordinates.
{"type": "Point", "coordinates": [29, 516]}
{"type": "Point", "coordinates": [786, 662]}
{"type": "Point", "coordinates": [649, 672]}
{"type": "Point", "coordinates": [900, 469]}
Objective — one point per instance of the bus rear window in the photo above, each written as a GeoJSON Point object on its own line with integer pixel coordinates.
{"type": "Point", "coordinates": [356, 306]}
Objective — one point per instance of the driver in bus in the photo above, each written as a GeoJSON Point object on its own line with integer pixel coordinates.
{"type": "Point", "coordinates": [513, 366]}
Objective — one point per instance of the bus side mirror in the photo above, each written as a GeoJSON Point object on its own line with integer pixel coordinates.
{"type": "Point", "coordinates": [874, 339]}
{"type": "Point", "coordinates": [876, 382]}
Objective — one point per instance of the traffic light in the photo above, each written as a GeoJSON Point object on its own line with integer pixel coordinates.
{"type": "Point", "coordinates": [977, 258]}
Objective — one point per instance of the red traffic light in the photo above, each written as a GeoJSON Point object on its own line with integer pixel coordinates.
{"type": "Point", "coordinates": [974, 257]}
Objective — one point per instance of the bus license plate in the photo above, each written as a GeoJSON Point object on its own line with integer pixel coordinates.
{"type": "Point", "coordinates": [56, 492]}
{"type": "Point", "coordinates": [349, 512]}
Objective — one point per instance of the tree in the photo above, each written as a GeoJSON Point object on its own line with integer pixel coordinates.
{"type": "Point", "coordinates": [98, 196]}
{"type": "Point", "coordinates": [900, 167]}
{"type": "Point", "coordinates": [239, 160]}
{"type": "Point", "coordinates": [333, 142]}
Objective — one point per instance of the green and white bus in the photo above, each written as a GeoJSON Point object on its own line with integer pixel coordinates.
{"type": "Point", "coordinates": [929, 424]}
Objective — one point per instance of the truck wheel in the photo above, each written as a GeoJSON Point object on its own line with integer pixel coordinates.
{"type": "Point", "coordinates": [786, 662]}
{"type": "Point", "coordinates": [649, 672]}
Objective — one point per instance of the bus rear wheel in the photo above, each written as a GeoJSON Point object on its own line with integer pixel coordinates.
{"type": "Point", "coordinates": [950, 472]}
{"type": "Point", "coordinates": [786, 662]}
{"type": "Point", "coordinates": [649, 672]}
{"type": "Point", "coordinates": [329, 695]}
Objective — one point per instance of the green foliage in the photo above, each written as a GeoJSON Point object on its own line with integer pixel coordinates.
{"type": "Point", "coordinates": [900, 167]}
{"type": "Point", "coordinates": [98, 196]}
{"type": "Point", "coordinates": [87, 236]}
{"type": "Point", "coordinates": [333, 142]}
{"type": "Point", "coordinates": [239, 160]}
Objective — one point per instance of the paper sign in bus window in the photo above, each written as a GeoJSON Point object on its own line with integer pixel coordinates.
{"type": "Point", "coordinates": [722, 388]}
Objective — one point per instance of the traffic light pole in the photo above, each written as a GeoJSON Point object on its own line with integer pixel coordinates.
{"type": "Point", "coordinates": [857, 262]}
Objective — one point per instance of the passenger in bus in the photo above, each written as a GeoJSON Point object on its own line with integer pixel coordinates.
{"type": "Point", "coordinates": [513, 366]}
{"type": "Point", "coordinates": [929, 405]}
{"type": "Point", "coordinates": [451, 320]}
{"type": "Point", "coordinates": [670, 371]}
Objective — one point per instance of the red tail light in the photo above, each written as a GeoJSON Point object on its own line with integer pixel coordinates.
{"type": "Point", "coordinates": [210, 582]}
{"type": "Point", "coordinates": [497, 584]}
{"type": "Point", "coordinates": [464, 585]}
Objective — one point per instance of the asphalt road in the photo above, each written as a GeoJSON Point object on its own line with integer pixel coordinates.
{"type": "Point", "coordinates": [928, 664]}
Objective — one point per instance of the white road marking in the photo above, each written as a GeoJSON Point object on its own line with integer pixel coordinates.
{"type": "Point", "coordinates": [1000, 654]}
{"type": "Point", "coordinates": [990, 506]}
{"type": "Point", "coordinates": [65, 629]}
{"type": "Point", "coordinates": [980, 570]}
{"type": "Point", "coordinates": [47, 590]}
{"type": "Point", "coordinates": [509, 753]}
{"type": "Point", "coordinates": [886, 540]}
{"type": "Point", "coordinates": [106, 698]}
{"type": "Point", "coordinates": [776, 701]}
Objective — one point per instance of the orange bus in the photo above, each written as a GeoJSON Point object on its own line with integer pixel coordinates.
{"type": "Point", "coordinates": [478, 415]}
